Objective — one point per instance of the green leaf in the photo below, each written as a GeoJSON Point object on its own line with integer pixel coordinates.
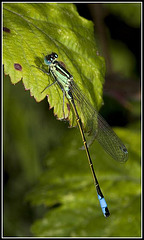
{"type": "Point", "coordinates": [66, 190]}
{"type": "Point", "coordinates": [31, 29]}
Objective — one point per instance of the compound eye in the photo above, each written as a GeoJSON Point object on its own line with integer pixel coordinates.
{"type": "Point", "coordinates": [48, 57]}
{"type": "Point", "coordinates": [54, 55]}
{"type": "Point", "coordinates": [48, 60]}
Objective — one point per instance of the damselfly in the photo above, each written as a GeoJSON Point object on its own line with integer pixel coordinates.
{"type": "Point", "coordinates": [96, 126]}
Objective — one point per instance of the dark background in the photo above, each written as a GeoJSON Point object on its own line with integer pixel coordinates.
{"type": "Point", "coordinates": [118, 88]}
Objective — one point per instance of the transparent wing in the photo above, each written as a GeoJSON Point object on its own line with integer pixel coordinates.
{"type": "Point", "coordinates": [97, 128]}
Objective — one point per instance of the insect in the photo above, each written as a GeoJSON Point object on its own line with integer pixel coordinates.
{"type": "Point", "coordinates": [95, 124]}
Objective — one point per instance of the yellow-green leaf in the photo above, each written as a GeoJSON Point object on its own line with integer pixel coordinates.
{"type": "Point", "coordinates": [31, 29]}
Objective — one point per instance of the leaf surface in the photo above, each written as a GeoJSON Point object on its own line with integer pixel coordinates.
{"type": "Point", "coordinates": [31, 29]}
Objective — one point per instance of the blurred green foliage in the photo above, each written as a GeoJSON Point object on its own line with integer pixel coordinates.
{"type": "Point", "coordinates": [42, 153]}
{"type": "Point", "coordinates": [123, 60]}
{"type": "Point", "coordinates": [128, 12]}
{"type": "Point", "coordinates": [49, 189]}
